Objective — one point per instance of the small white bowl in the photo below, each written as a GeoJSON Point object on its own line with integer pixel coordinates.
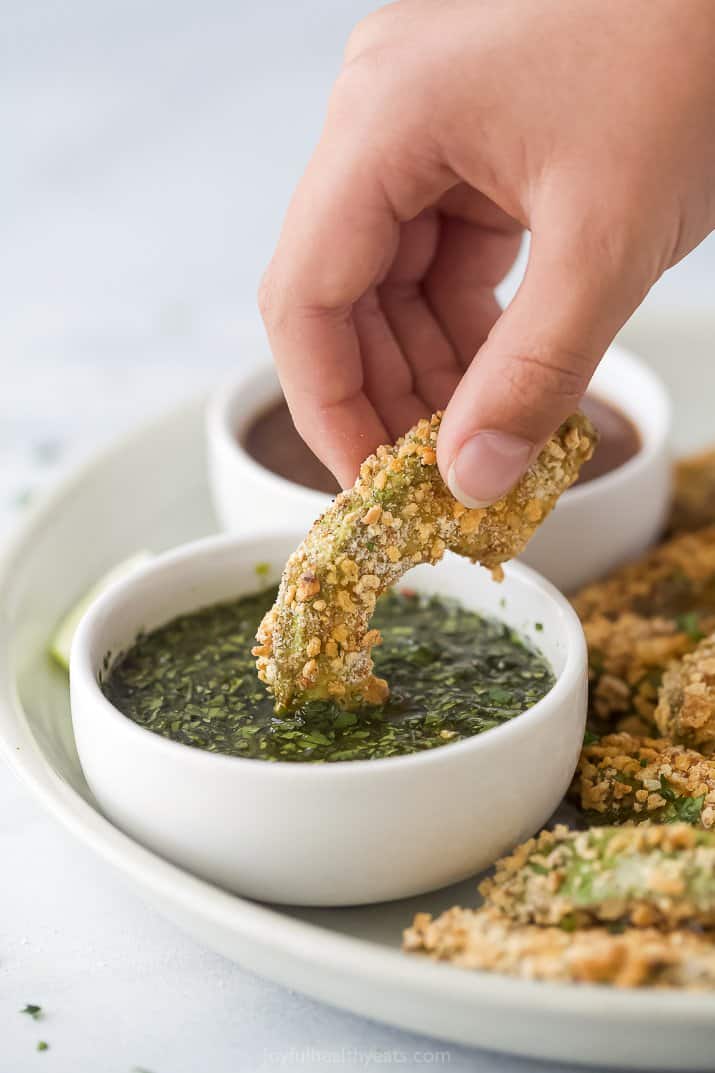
{"type": "Point", "coordinates": [594, 527]}
{"type": "Point", "coordinates": [337, 833]}
{"type": "Point", "coordinates": [598, 525]}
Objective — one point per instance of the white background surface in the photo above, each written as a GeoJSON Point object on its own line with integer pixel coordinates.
{"type": "Point", "coordinates": [148, 151]}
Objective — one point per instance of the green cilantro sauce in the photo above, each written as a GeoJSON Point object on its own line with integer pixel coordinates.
{"type": "Point", "coordinates": [452, 672]}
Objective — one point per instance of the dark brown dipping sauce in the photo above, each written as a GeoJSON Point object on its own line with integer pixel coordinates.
{"type": "Point", "coordinates": [619, 439]}
{"type": "Point", "coordinates": [272, 441]}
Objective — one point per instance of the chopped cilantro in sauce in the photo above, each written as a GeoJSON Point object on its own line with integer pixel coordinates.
{"type": "Point", "coordinates": [452, 672]}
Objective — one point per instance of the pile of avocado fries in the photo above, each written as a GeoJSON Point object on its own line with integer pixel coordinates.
{"type": "Point", "coordinates": [630, 899]}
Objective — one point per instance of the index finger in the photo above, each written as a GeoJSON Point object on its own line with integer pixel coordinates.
{"type": "Point", "coordinates": [339, 238]}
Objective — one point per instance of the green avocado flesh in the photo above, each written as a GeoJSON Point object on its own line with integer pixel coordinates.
{"type": "Point", "coordinates": [452, 672]}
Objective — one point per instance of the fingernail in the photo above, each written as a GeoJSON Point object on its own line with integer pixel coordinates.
{"type": "Point", "coordinates": [487, 466]}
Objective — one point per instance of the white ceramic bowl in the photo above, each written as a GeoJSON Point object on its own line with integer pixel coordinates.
{"type": "Point", "coordinates": [338, 833]}
{"type": "Point", "coordinates": [594, 527]}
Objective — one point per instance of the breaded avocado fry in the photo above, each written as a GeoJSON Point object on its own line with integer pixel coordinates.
{"type": "Point", "coordinates": [627, 657]}
{"type": "Point", "coordinates": [675, 579]}
{"type": "Point", "coordinates": [643, 876]}
{"type": "Point", "coordinates": [622, 779]}
{"type": "Point", "coordinates": [686, 701]}
{"type": "Point", "coordinates": [693, 503]}
{"type": "Point", "coordinates": [487, 940]}
{"type": "Point", "coordinates": [316, 641]}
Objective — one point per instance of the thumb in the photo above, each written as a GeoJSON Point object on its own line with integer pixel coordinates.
{"type": "Point", "coordinates": [531, 372]}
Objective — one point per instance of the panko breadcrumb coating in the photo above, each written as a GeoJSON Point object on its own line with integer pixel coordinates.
{"type": "Point", "coordinates": [485, 939]}
{"type": "Point", "coordinates": [315, 642]}
{"type": "Point", "coordinates": [622, 779]}
{"type": "Point", "coordinates": [693, 503]}
{"type": "Point", "coordinates": [686, 704]}
{"type": "Point", "coordinates": [674, 579]}
{"type": "Point", "coordinates": [643, 875]}
{"type": "Point", "coordinates": [626, 660]}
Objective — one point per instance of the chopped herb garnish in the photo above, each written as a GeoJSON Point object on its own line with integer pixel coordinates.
{"type": "Point", "coordinates": [679, 809]}
{"type": "Point", "coordinates": [453, 673]}
{"type": "Point", "coordinates": [589, 738]}
{"type": "Point", "coordinates": [666, 790]}
{"type": "Point", "coordinates": [23, 498]}
{"type": "Point", "coordinates": [34, 1011]}
{"type": "Point", "coordinates": [43, 1046]}
{"type": "Point", "coordinates": [538, 626]}
{"type": "Point", "coordinates": [262, 569]}
{"type": "Point", "coordinates": [690, 623]}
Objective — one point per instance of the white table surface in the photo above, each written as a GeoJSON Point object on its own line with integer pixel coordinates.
{"type": "Point", "coordinates": [147, 157]}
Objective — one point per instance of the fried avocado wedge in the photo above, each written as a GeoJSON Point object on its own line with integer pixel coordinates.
{"type": "Point", "coordinates": [487, 940]}
{"type": "Point", "coordinates": [674, 580]}
{"type": "Point", "coordinates": [623, 779]}
{"type": "Point", "coordinates": [686, 700]}
{"type": "Point", "coordinates": [315, 643]}
{"type": "Point", "coordinates": [642, 876]}
{"type": "Point", "coordinates": [693, 503]}
{"type": "Point", "coordinates": [627, 657]}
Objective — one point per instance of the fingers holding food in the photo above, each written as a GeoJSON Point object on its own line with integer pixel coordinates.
{"type": "Point", "coordinates": [316, 641]}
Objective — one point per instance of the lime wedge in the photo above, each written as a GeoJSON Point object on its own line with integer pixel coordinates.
{"type": "Point", "coordinates": [61, 642]}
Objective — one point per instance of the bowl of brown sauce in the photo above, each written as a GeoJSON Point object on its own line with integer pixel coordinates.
{"type": "Point", "coordinates": [263, 475]}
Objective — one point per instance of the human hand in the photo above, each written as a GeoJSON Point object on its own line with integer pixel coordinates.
{"type": "Point", "coordinates": [454, 125]}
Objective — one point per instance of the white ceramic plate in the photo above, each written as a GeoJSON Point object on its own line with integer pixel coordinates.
{"type": "Point", "coordinates": [150, 491]}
